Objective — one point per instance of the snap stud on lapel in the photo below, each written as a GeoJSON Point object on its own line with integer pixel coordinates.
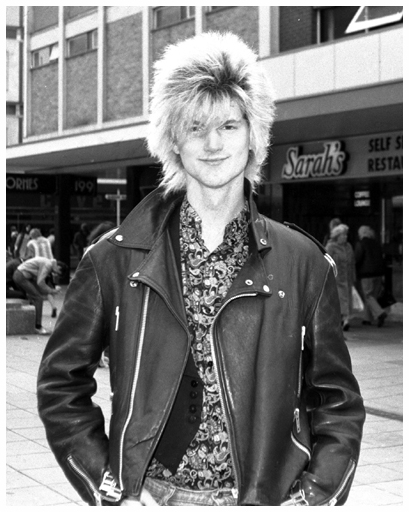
{"type": "Point", "coordinates": [263, 241]}
{"type": "Point", "coordinates": [119, 238]}
{"type": "Point", "coordinates": [281, 294]}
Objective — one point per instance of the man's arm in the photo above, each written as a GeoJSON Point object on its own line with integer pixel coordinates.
{"type": "Point", "coordinates": [336, 410]}
{"type": "Point", "coordinates": [74, 424]}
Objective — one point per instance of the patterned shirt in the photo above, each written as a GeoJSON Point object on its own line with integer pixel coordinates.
{"type": "Point", "coordinates": [207, 278]}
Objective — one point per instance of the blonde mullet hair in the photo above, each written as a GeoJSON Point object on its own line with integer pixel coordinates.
{"type": "Point", "coordinates": [200, 76]}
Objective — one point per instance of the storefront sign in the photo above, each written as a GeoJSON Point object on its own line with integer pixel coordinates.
{"type": "Point", "coordinates": [46, 184]}
{"type": "Point", "coordinates": [385, 154]}
{"type": "Point", "coordinates": [83, 186]}
{"type": "Point", "coordinates": [30, 183]}
{"type": "Point", "coordinates": [364, 156]}
{"type": "Point", "coordinates": [329, 163]}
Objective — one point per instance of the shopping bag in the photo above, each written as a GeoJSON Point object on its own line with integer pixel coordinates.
{"type": "Point", "coordinates": [357, 302]}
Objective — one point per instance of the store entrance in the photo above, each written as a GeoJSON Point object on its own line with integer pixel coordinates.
{"type": "Point", "coordinates": [376, 203]}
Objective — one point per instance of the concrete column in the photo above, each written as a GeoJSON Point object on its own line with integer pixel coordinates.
{"type": "Point", "coordinates": [146, 56]}
{"type": "Point", "coordinates": [61, 70]}
{"type": "Point", "coordinates": [101, 66]}
{"type": "Point", "coordinates": [264, 31]}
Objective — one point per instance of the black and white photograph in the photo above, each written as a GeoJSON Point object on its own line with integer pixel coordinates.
{"type": "Point", "coordinates": [204, 256]}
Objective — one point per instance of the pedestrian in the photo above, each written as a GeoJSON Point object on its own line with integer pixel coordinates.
{"type": "Point", "coordinates": [370, 269]}
{"type": "Point", "coordinates": [342, 253]}
{"type": "Point", "coordinates": [38, 245]}
{"type": "Point", "coordinates": [31, 276]}
{"type": "Point", "coordinates": [333, 223]}
{"type": "Point", "coordinates": [12, 290]}
{"type": "Point", "coordinates": [80, 240]}
{"type": "Point", "coordinates": [51, 238]}
{"type": "Point", "coordinates": [21, 242]}
{"type": "Point", "coordinates": [12, 240]}
{"type": "Point", "coordinates": [231, 381]}
{"type": "Point", "coordinates": [99, 230]}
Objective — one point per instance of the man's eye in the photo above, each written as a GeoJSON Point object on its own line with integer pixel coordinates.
{"type": "Point", "coordinates": [196, 129]}
{"type": "Point", "coordinates": [229, 127]}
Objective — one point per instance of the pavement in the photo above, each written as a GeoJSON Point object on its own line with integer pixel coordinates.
{"type": "Point", "coordinates": [33, 477]}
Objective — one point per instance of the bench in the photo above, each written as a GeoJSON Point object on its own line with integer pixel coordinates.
{"type": "Point", "coordinates": [20, 317]}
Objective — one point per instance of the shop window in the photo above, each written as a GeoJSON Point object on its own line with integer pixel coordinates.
{"type": "Point", "coordinates": [338, 22]}
{"type": "Point", "coordinates": [10, 110]}
{"type": "Point", "coordinates": [164, 16]}
{"type": "Point", "coordinates": [11, 33]}
{"type": "Point", "coordinates": [82, 43]}
{"type": "Point", "coordinates": [367, 18]}
{"type": "Point", "coordinates": [44, 56]}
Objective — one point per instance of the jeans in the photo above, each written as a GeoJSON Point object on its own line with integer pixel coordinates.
{"type": "Point", "coordinates": [371, 288]}
{"type": "Point", "coordinates": [166, 494]}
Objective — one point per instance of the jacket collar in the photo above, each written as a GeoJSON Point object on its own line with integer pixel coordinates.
{"type": "Point", "coordinates": [147, 221]}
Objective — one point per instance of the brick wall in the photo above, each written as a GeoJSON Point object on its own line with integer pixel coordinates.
{"type": "Point", "coordinates": [124, 93]}
{"type": "Point", "coordinates": [297, 27]}
{"type": "Point", "coordinates": [81, 90]}
{"type": "Point", "coordinates": [44, 100]}
{"type": "Point", "coordinates": [242, 21]}
{"type": "Point", "coordinates": [170, 35]}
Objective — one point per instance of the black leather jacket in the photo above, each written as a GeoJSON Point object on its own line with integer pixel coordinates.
{"type": "Point", "coordinates": [294, 410]}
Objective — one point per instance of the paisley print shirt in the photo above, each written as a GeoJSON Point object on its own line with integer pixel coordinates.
{"type": "Point", "coordinates": [207, 278]}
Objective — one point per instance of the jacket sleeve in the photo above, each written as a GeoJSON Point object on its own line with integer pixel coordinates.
{"type": "Point", "coordinates": [74, 424]}
{"type": "Point", "coordinates": [335, 406]}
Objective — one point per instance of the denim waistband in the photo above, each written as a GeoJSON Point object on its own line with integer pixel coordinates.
{"type": "Point", "coordinates": [168, 494]}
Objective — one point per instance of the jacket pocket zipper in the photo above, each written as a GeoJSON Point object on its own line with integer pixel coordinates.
{"type": "Point", "coordinates": [349, 472]}
{"type": "Point", "coordinates": [135, 380]}
{"type": "Point", "coordinates": [300, 446]}
{"type": "Point", "coordinates": [85, 478]}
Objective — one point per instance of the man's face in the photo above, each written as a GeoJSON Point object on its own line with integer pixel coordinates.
{"type": "Point", "coordinates": [216, 154]}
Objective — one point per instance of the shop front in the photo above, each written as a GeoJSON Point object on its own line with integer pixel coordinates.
{"type": "Point", "coordinates": [357, 179]}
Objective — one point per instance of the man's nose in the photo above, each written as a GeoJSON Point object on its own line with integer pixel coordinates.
{"type": "Point", "coordinates": [213, 140]}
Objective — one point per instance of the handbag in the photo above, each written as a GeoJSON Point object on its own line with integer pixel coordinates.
{"type": "Point", "coordinates": [357, 302]}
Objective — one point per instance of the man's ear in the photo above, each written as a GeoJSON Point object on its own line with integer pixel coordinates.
{"type": "Point", "coordinates": [176, 149]}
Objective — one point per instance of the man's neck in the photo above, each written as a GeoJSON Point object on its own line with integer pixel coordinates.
{"type": "Point", "coordinates": [216, 208]}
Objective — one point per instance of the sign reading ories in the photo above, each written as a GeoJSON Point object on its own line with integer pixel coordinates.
{"type": "Point", "coordinates": [329, 163]}
{"type": "Point", "coordinates": [46, 184]}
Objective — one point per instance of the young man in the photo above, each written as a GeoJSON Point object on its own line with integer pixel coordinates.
{"type": "Point", "coordinates": [231, 381]}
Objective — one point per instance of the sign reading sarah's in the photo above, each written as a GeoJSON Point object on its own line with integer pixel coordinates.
{"type": "Point", "coordinates": [329, 163]}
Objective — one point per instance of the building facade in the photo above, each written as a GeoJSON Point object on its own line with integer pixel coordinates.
{"type": "Point", "coordinates": [336, 145]}
{"type": "Point", "coordinates": [14, 67]}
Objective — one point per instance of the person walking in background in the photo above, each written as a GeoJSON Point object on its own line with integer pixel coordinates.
{"type": "Point", "coordinates": [231, 380]}
{"type": "Point", "coordinates": [12, 240]}
{"type": "Point", "coordinates": [31, 276]}
{"type": "Point", "coordinates": [342, 253]}
{"type": "Point", "coordinates": [370, 269]}
{"type": "Point", "coordinates": [333, 223]}
{"type": "Point", "coordinates": [51, 238]}
{"type": "Point", "coordinates": [37, 246]}
{"type": "Point", "coordinates": [21, 242]}
{"type": "Point", "coordinates": [80, 240]}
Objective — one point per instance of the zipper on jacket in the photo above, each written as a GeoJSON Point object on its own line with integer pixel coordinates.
{"type": "Point", "coordinates": [334, 498]}
{"type": "Point", "coordinates": [300, 446]}
{"type": "Point", "coordinates": [217, 375]}
{"type": "Point", "coordinates": [135, 380]}
{"type": "Point", "coordinates": [300, 362]}
{"type": "Point", "coordinates": [117, 318]}
{"type": "Point", "coordinates": [81, 473]}
{"type": "Point", "coordinates": [297, 419]}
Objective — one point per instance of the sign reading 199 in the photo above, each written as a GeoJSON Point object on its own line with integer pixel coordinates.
{"type": "Point", "coordinates": [84, 186]}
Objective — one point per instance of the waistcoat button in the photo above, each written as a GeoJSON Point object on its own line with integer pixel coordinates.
{"type": "Point", "coordinates": [192, 419]}
{"type": "Point", "coordinates": [192, 408]}
{"type": "Point", "coordinates": [194, 383]}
